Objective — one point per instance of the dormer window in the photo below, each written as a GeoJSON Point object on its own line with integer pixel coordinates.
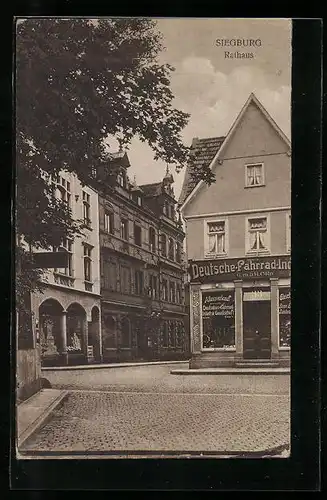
{"type": "Point", "coordinates": [121, 179]}
{"type": "Point", "coordinates": [165, 208]}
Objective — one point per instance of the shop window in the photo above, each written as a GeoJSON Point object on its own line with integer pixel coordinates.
{"type": "Point", "coordinates": [257, 236]}
{"type": "Point", "coordinates": [179, 334]}
{"type": "Point", "coordinates": [254, 175]}
{"type": "Point", "coordinates": [164, 334]}
{"type": "Point", "coordinates": [218, 319]}
{"type": "Point", "coordinates": [137, 235]}
{"type": "Point", "coordinates": [284, 311]}
{"type": "Point", "coordinates": [216, 237]}
{"type": "Point", "coordinates": [171, 334]}
{"type": "Point", "coordinates": [288, 232]}
{"type": "Point", "coordinates": [125, 333]}
{"type": "Point", "coordinates": [75, 325]}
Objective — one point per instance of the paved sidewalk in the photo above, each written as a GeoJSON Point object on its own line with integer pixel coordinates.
{"type": "Point", "coordinates": [212, 371]}
{"type": "Point", "coordinates": [33, 412]}
{"type": "Point", "coordinates": [95, 366]}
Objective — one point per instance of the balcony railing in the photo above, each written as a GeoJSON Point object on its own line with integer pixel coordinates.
{"type": "Point", "coordinates": [62, 279]}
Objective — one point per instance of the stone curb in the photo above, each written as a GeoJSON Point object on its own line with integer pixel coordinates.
{"type": "Point", "coordinates": [281, 451]}
{"type": "Point", "coordinates": [111, 365]}
{"type": "Point", "coordinates": [41, 419]}
{"type": "Point", "coordinates": [236, 371]}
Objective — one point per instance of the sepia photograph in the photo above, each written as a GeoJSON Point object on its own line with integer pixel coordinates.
{"type": "Point", "coordinates": [153, 237]}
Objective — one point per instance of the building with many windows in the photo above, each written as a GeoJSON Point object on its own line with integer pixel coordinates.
{"type": "Point", "coordinates": [142, 268]}
{"type": "Point", "coordinates": [67, 313]}
{"type": "Point", "coordinates": [239, 243]}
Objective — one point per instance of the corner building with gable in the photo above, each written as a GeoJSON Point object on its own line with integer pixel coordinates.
{"type": "Point", "coordinates": [238, 240]}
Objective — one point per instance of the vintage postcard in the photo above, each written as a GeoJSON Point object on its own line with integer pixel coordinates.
{"type": "Point", "coordinates": [153, 230]}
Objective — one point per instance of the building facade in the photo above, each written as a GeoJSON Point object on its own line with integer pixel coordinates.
{"type": "Point", "coordinates": [67, 312]}
{"type": "Point", "coordinates": [142, 269]}
{"type": "Point", "coordinates": [239, 244]}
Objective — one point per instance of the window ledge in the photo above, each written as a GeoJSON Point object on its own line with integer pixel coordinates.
{"type": "Point", "coordinates": [215, 255]}
{"type": "Point", "coordinates": [219, 349]}
{"type": "Point", "coordinates": [257, 253]}
{"type": "Point", "coordinates": [254, 186]}
{"type": "Point", "coordinates": [284, 348]}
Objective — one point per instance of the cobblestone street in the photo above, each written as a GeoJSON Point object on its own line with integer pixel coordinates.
{"type": "Point", "coordinates": [148, 409]}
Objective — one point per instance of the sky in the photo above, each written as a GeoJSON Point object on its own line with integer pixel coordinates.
{"type": "Point", "coordinates": [213, 88]}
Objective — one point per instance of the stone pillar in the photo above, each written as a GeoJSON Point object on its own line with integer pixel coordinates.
{"type": "Point", "coordinates": [274, 317]}
{"type": "Point", "coordinates": [85, 340]}
{"type": "Point", "coordinates": [238, 319]}
{"type": "Point", "coordinates": [195, 319]}
{"type": "Point", "coordinates": [63, 353]}
{"type": "Point", "coordinates": [99, 333]}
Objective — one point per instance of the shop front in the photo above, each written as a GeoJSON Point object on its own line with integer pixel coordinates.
{"type": "Point", "coordinates": [240, 311]}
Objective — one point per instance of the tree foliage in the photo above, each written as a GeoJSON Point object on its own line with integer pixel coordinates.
{"type": "Point", "coordinates": [79, 82]}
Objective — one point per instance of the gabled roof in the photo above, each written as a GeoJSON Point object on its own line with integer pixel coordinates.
{"type": "Point", "coordinates": [204, 150]}
{"type": "Point", "coordinates": [190, 188]}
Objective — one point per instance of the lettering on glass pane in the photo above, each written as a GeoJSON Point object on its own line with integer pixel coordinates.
{"type": "Point", "coordinates": [218, 319]}
{"type": "Point", "coordinates": [284, 310]}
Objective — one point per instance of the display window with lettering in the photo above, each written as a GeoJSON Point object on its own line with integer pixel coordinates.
{"type": "Point", "coordinates": [284, 313]}
{"type": "Point", "coordinates": [218, 319]}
